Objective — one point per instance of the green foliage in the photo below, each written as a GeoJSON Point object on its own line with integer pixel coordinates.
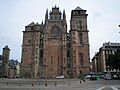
{"type": "Point", "coordinates": [113, 60]}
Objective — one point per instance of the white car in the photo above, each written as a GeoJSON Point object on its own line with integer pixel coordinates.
{"type": "Point", "coordinates": [108, 77]}
{"type": "Point", "coordinates": [60, 77]}
{"type": "Point", "coordinates": [88, 76]}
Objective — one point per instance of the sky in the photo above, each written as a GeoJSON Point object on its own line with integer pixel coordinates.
{"type": "Point", "coordinates": [103, 20]}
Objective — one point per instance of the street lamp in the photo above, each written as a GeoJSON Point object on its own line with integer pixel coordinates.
{"type": "Point", "coordinates": [119, 26]}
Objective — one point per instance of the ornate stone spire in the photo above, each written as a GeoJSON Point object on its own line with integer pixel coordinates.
{"type": "Point", "coordinates": [46, 15]}
{"type": "Point", "coordinates": [64, 15]}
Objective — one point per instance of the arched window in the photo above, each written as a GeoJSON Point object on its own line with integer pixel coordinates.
{"type": "Point", "coordinates": [56, 31]}
{"type": "Point", "coordinates": [80, 25]}
{"type": "Point", "coordinates": [81, 59]}
{"type": "Point", "coordinates": [41, 53]}
{"type": "Point", "coordinates": [51, 59]}
{"type": "Point", "coordinates": [80, 38]}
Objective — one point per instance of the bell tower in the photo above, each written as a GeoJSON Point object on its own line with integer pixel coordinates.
{"type": "Point", "coordinates": [79, 42]}
{"type": "Point", "coordinates": [30, 51]}
{"type": "Point", "coordinates": [6, 55]}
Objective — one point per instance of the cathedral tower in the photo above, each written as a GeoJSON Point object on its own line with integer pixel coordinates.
{"type": "Point", "coordinates": [55, 40]}
{"type": "Point", "coordinates": [30, 51]}
{"type": "Point", "coordinates": [79, 42]}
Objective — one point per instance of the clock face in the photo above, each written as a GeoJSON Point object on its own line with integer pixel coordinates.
{"type": "Point", "coordinates": [56, 31]}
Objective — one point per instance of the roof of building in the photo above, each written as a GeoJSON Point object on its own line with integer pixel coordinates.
{"type": "Point", "coordinates": [13, 62]}
{"type": "Point", "coordinates": [78, 8]}
{"type": "Point", "coordinates": [110, 46]}
{"type": "Point", "coordinates": [6, 47]}
{"type": "Point", "coordinates": [31, 24]}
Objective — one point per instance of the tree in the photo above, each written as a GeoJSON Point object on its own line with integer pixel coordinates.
{"type": "Point", "coordinates": [113, 60]}
{"type": "Point", "coordinates": [117, 55]}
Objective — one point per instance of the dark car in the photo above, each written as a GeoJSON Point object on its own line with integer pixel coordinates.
{"type": "Point", "coordinates": [5, 76]}
{"type": "Point", "coordinates": [115, 76]}
{"type": "Point", "coordinates": [93, 77]}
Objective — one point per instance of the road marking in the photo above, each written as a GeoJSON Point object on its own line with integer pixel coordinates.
{"type": "Point", "coordinates": [114, 88]}
{"type": "Point", "coordinates": [100, 88]}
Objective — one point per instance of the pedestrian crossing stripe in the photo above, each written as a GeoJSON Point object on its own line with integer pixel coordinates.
{"type": "Point", "coordinates": [114, 88]}
{"type": "Point", "coordinates": [101, 88]}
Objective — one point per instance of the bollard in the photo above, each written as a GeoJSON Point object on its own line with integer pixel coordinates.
{"type": "Point", "coordinates": [80, 81]}
{"type": "Point", "coordinates": [69, 83]}
{"type": "Point", "coordinates": [19, 84]}
{"type": "Point", "coordinates": [32, 84]}
{"type": "Point", "coordinates": [83, 80]}
{"type": "Point", "coordinates": [55, 84]}
{"type": "Point", "coordinates": [7, 83]}
{"type": "Point", "coordinates": [45, 84]}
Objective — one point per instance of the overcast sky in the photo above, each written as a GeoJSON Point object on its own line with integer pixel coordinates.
{"type": "Point", "coordinates": [103, 20]}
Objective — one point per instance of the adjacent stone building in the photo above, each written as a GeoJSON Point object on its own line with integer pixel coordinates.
{"type": "Point", "coordinates": [4, 62]}
{"type": "Point", "coordinates": [48, 50]}
{"type": "Point", "coordinates": [8, 68]}
{"type": "Point", "coordinates": [1, 66]}
{"type": "Point", "coordinates": [14, 68]}
{"type": "Point", "coordinates": [99, 63]}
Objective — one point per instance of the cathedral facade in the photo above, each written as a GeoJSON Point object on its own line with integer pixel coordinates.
{"type": "Point", "coordinates": [49, 50]}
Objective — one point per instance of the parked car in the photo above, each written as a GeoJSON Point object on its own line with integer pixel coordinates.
{"type": "Point", "coordinates": [93, 77]}
{"type": "Point", "coordinates": [5, 76]}
{"type": "Point", "coordinates": [59, 77]}
{"type": "Point", "coordinates": [107, 77]}
{"type": "Point", "coordinates": [87, 76]}
{"type": "Point", "coordinates": [115, 76]}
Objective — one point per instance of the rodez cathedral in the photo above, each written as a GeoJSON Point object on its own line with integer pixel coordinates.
{"type": "Point", "coordinates": [49, 51]}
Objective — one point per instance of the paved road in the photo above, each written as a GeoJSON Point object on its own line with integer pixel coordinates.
{"type": "Point", "coordinates": [58, 84]}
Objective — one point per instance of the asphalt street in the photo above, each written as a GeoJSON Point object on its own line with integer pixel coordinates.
{"type": "Point", "coordinates": [58, 84]}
